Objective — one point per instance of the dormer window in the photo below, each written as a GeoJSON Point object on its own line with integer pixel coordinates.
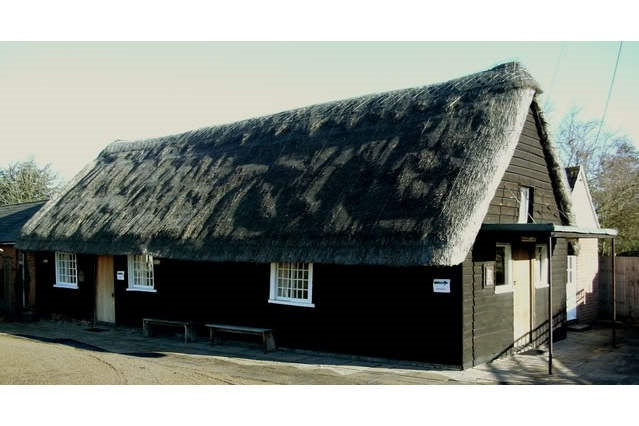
{"type": "Point", "coordinates": [525, 205]}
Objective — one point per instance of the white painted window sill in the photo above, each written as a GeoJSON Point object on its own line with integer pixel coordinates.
{"type": "Point", "coordinates": [540, 285]}
{"type": "Point", "coordinates": [504, 288]}
{"type": "Point", "coordinates": [65, 285]}
{"type": "Point", "coordinates": [143, 290]}
{"type": "Point", "coordinates": [292, 303]}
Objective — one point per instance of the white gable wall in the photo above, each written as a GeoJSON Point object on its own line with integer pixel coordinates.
{"type": "Point", "coordinates": [585, 215]}
{"type": "Point", "coordinates": [588, 257]}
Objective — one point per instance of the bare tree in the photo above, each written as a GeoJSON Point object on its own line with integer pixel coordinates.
{"type": "Point", "coordinates": [611, 163]}
{"type": "Point", "coordinates": [25, 181]}
{"type": "Point", "coordinates": [579, 144]}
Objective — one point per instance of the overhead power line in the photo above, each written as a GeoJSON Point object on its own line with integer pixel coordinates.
{"type": "Point", "coordinates": [612, 82]}
{"type": "Point", "coordinates": [554, 74]}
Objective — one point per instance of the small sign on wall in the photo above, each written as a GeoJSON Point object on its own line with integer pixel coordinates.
{"type": "Point", "coordinates": [119, 275]}
{"type": "Point", "coordinates": [441, 285]}
{"type": "Point", "coordinates": [489, 275]}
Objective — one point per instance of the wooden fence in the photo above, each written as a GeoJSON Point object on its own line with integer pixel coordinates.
{"type": "Point", "coordinates": [627, 278]}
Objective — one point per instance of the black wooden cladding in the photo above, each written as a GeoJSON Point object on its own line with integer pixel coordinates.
{"type": "Point", "coordinates": [367, 310]}
{"type": "Point", "coordinates": [73, 303]}
{"type": "Point", "coordinates": [527, 167]}
{"type": "Point", "coordinates": [488, 317]}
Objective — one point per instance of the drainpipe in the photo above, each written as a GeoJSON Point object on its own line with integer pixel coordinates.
{"type": "Point", "coordinates": [614, 297]}
{"type": "Point", "coordinates": [23, 260]}
{"type": "Point", "coordinates": [549, 251]}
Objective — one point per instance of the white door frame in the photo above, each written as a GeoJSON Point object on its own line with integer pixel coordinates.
{"type": "Point", "coordinates": [571, 288]}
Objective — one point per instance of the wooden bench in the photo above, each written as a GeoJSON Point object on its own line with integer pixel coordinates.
{"type": "Point", "coordinates": [267, 334]}
{"type": "Point", "coordinates": [148, 322]}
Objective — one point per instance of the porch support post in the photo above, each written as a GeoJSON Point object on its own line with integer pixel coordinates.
{"type": "Point", "coordinates": [614, 296]}
{"type": "Point", "coordinates": [549, 251]}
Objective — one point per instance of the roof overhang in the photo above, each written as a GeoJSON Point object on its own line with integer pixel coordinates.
{"type": "Point", "coordinates": [551, 229]}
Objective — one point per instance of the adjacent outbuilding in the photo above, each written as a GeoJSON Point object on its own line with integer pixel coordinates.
{"type": "Point", "coordinates": [582, 284]}
{"type": "Point", "coordinates": [378, 225]}
{"type": "Point", "coordinates": [17, 268]}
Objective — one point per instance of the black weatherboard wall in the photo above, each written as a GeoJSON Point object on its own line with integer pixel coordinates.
{"type": "Point", "coordinates": [71, 303]}
{"type": "Point", "coordinates": [488, 317]}
{"type": "Point", "coordinates": [373, 310]}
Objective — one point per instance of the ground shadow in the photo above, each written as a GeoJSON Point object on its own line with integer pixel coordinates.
{"type": "Point", "coordinates": [81, 345]}
{"type": "Point", "coordinates": [131, 342]}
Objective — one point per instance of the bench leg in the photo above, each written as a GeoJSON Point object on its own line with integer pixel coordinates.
{"type": "Point", "coordinates": [269, 342]}
{"type": "Point", "coordinates": [146, 330]}
{"type": "Point", "coordinates": [214, 338]}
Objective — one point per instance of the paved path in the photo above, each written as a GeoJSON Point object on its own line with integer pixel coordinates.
{"type": "Point", "coordinates": [48, 352]}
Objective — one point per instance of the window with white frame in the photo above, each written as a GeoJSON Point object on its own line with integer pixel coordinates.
{"type": "Point", "coordinates": [66, 270]}
{"type": "Point", "coordinates": [292, 283]}
{"type": "Point", "coordinates": [541, 265]}
{"type": "Point", "coordinates": [140, 273]}
{"type": "Point", "coordinates": [503, 268]}
{"type": "Point", "coordinates": [525, 211]}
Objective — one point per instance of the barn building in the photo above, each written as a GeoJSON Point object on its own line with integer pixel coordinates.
{"type": "Point", "coordinates": [428, 224]}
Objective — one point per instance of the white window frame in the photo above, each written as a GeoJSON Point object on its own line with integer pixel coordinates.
{"type": "Point", "coordinates": [571, 269]}
{"type": "Point", "coordinates": [149, 275]}
{"type": "Point", "coordinates": [66, 270]}
{"type": "Point", "coordinates": [274, 298]}
{"type": "Point", "coordinates": [541, 279]}
{"type": "Point", "coordinates": [524, 204]}
{"type": "Point", "coordinates": [508, 270]}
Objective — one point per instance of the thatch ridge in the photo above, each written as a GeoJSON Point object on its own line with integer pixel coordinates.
{"type": "Point", "coordinates": [403, 178]}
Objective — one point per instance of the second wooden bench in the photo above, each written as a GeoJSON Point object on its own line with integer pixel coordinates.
{"type": "Point", "coordinates": [148, 322]}
{"type": "Point", "coordinates": [267, 334]}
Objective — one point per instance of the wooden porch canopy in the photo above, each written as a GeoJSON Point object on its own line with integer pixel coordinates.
{"type": "Point", "coordinates": [548, 231]}
{"type": "Point", "coordinates": [551, 229]}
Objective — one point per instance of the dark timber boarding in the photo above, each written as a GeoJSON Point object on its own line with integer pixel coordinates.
{"type": "Point", "coordinates": [488, 317]}
{"type": "Point", "coordinates": [382, 311]}
{"type": "Point", "coordinates": [70, 303]}
{"type": "Point", "coordinates": [527, 168]}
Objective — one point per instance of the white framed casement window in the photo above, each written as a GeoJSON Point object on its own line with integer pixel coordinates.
{"type": "Point", "coordinates": [503, 268]}
{"type": "Point", "coordinates": [292, 283]}
{"type": "Point", "coordinates": [524, 204]}
{"type": "Point", "coordinates": [66, 270]}
{"type": "Point", "coordinates": [541, 266]}
{"type": "Point", "coordinates": [140, 272]}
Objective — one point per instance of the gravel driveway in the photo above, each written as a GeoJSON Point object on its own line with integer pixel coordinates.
{"type": "Point", "coordinates": [48, 352]}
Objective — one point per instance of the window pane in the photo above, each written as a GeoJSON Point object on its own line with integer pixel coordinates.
{"type": "Point", "coordinates": [292, 280]}
{"type": "Point", "coordinates": [141, 273]}
{"type": "Point", "coordinates": [500, 266]}
{"type": "Point", "coordinates": [524, 204]}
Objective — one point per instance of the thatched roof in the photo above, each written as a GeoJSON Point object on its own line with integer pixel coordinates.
{"type": "Point", "coordinates": [13, 217]}
{"type": "Point", "coordinates": [399, 178]}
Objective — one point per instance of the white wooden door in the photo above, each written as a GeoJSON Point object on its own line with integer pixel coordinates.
{"type": "Point", "coordinates": [571, 289]}
{"type": "Point", "coordinates": [104, 291]}
{"type": "Point", "coordinates": [521, 295]}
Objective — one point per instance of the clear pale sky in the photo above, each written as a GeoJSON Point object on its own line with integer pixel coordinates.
{"type": "Point", "coordinates": [62, 103]}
